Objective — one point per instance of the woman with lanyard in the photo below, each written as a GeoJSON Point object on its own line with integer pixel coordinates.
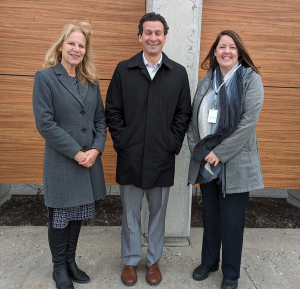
{"type": "Point", "coordinates": [224, 152]}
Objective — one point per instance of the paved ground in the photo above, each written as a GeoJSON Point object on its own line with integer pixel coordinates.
{"type": "Point", "coordinates": [271, 260]}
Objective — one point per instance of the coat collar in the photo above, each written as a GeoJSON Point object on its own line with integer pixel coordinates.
{"type": "Point", "coordinates": [137, 61]}
{"type": "Point", "coordinates": [203, 87]}
{"type": "Point", "coordinates": [65, 80]}
{"type": "Point", "coordinates": [205, 83]}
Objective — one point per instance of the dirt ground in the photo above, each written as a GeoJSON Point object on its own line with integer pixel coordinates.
{"type": "Point", "coordinates": [260, 213]}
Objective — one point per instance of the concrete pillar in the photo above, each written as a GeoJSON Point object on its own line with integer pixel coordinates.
{"type": "Point", "coordinates": [4, 193]}
{"type": "Point", "coordinates": [183, 46]}
{"type": "Point", "coordinates": [294, 197]}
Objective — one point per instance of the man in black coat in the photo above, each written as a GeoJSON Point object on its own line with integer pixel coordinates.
{"type": "Point", "coordinates": [148, 108]}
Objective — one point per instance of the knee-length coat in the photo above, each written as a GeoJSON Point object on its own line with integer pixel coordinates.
{"type": "Point", "coordinates": [147, 120]}
{"type": "Point", "coordinates": [69, 122]}
{"type": "Point", "coordinates": [238, 153]}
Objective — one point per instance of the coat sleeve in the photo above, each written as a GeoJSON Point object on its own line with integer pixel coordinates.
{"type": "Point", "coordinates": [192, 128]}
{"type": "Point", "coordinates": [44, 119]}
{"type": "Point", "coordinates": [114, 109]}
{"type": "Point", "coordinates": [100, 124]}
{"type": "Point", "coordinates": [182, 113]}
{"type": "Point", "coordinates": [252, 106]}
{"type": "Point", "coordinates": [191, 137]}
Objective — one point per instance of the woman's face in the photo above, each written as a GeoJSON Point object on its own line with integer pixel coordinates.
{"type": "Point", "coordinates": [73, 50]}
{"type": "Point", "coordinates": [226, 53]}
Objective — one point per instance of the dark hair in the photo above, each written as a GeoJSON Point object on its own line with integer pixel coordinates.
{"type": "Point", "coordinates": [210, 61]}
{"type": "Point", "coordinates": [152, 17]}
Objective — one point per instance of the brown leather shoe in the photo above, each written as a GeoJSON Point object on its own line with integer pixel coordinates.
{"type": "Point", "coordinates": [153, 276]}
{"type": "Point", "coordinates": [128, 276]}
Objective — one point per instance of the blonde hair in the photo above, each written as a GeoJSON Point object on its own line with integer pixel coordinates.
{"type": "Point", "coordinates": [86, 69]}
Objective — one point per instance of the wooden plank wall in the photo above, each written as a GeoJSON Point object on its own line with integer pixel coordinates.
{"type": "Point", "coordinates": [27, 29]}
{"type": "Point", "coordinates": [271, 33]}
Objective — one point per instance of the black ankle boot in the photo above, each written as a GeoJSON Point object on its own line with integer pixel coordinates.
{"type": "Point", "coordinates": [58, 241]}
{"type": "Point", "coordinates": [61, 277]}
{"type": "Point", "coordinates": [75, 273]}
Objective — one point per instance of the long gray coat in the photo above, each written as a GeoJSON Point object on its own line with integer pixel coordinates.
{"type": "Point", "coordinates": [238, 153]}
{"type": "Point", "coordinates": [69, 122]}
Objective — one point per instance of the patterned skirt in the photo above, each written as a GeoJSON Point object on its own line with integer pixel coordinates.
{"type": "Point", "coordinates": [60, 217]}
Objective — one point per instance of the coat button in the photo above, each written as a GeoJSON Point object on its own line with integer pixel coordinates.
{"type": "Point", "coordinates": [84, 147]}
{"type": "Point", "coordinates": [82, 112]}
{"type": "Point", "coordinates": [83, 130]}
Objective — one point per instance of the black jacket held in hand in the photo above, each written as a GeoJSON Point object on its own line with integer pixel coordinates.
{"type": "Point", "coordinates": [147, 120]}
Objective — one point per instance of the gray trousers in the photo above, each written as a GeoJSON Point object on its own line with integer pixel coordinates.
{"type": "Point", "coordinates": [131, 241]}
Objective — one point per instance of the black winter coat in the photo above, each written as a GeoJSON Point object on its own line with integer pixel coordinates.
{"type": "Point", "coordinates": [147, 120]}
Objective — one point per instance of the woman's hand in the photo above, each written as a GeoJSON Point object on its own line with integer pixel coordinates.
{"type": "Point", "coordinates": [80, 157]}
{"type": "Point", "coordinates": [212, 159]}
{"type": "Point", "coordinates": [90, 159]}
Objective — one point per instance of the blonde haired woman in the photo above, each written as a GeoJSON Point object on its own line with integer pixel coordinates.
{"type": "Point", "coordinates": [69, 115]}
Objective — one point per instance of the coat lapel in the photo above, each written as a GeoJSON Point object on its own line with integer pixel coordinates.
{"type": "Point", "coordinates": [137, 61]}
{"type": "Point", "coordinates": [145, 72]}
{"type": "Point", "coordinates": [201, 91]}
{"type": "Point", "coordinates": [65, 80]}
{"type": "Point", "coordinates": [83, 90]}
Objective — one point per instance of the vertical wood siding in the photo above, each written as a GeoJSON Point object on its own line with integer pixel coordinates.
{"type": "Point", "coordinates": [271, 33]}
{"type": "Point", "coordinates": [27, 29]}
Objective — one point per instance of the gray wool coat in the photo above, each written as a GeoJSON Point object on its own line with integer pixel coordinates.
{"type": "Point", "coordinates": [238, 153]}
{"type": "Point", "coordinates": [69, 122]}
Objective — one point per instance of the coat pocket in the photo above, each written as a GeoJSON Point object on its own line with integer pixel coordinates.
{"type": "Point", "coordinates": [171, 142]}
{"type": "Point", "coordinates": [124, 139]}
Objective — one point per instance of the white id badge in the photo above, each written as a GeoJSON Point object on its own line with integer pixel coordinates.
{"type": "Point", "coordinates": [212, 115]}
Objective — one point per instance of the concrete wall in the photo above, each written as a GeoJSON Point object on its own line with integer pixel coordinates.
{"type": "Point", "coordinates": [4, 193]}
{"type": "Point", "coordinates": [183, 46]}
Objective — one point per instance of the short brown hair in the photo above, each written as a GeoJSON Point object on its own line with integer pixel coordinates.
{"type": "Point", "coordinates": [152, 17]}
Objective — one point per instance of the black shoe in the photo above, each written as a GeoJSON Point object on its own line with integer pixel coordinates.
{"type": "Point", "coordinates": [76, 274]}
{"type": "Point", "coordinates": [61, 278]}
{"type": "Point", "coordinates": [202, 272]}
{"type": "Point", "coordinates": [229, 284]}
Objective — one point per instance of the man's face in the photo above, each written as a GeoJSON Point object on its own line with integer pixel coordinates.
{"type": "Point", "coordinates": [153, 38]}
